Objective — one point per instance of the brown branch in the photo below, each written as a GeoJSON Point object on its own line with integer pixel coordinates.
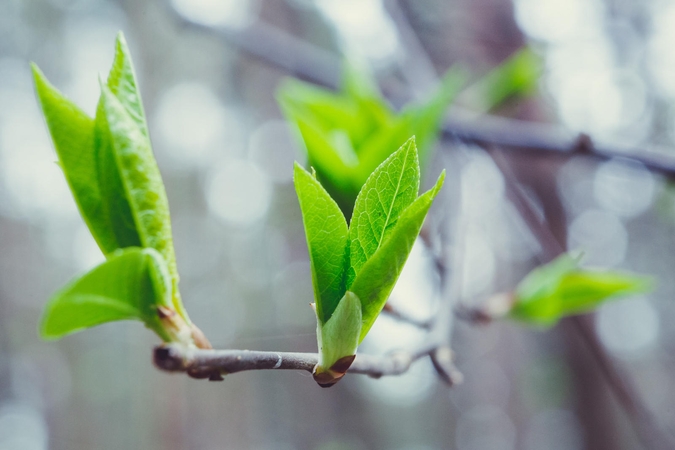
{"type": "Point", "coordinates": [214, 363]}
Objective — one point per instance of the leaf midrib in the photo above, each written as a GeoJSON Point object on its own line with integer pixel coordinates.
{"type": "Point", "coordinates": [391, 206]}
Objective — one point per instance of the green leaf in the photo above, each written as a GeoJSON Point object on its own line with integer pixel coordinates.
{"type": "Point", "coordinates": [72, 132]}
{"type": "Point", "coordinates": [561, 289]}
{"type": "Point", "coordinates": [377, 277]}
{"type": "Point", "coordinates": [326, 231]}
{"type": "Point", "coordinates": [377, 147]}
{"type": "Point", "coordinates": [321, 109]}
{"type": "Point", "coordinates": [116, 209]}
{"type": "Point", "coordinates": [359, 85]}
{"type": "Point", "coordinates": [122, 83]}
{"type": "Point", "coordinates": [141, 182]}
{"type": "Point", "coordinates": [349, 134]}
{"type": "Point", "coordinates": [128, 286]}
{"type": "Point", "coordinates": [339, 336]}
{"type": "Point", "coordinates": [543, 281]}
{"type": "Point", "coordinates": [516, 77]}
{"type": "Point", "coordinates": [389, 190]}
{"type": "Point", "coordinates": [583, 291]}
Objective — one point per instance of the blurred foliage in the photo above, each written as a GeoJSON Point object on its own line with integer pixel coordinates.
{"type": "Point", "coordinates": [560, 288]}
{"type": "Point", "coordinates": [516, 77]}
{"type": "Point", "coordinates": [348, 134]}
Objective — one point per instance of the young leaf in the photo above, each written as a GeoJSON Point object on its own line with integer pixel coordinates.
{"type": "Point", "coordinates": [377, 277]}
{"type": "Point", "coordinates": [561, 289]}
{"type": "Point", "coordinates": [389, 190]}
{"type": "Point", "coordinates": [338, 339]}
{"type": "Point", "coordinates": [72, 132]}
{"type": "Point", "coordinates": [326, 231]}
{"type": "Point", "coordinates": [377, 147]}
{"type": "Point", "coordinates": [142, 183]}
{"type": "Point", "coordinates": [122, 83]}
{"type": "Point", "coordinates": [125, 287]}
{"type": "Point", "coordinates": [362, 261]}
{"type": "Point", "coordinates": [543, 281]}
{"type": "Point", "coordinates": [115, 203]}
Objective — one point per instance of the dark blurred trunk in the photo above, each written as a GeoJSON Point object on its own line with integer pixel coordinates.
{"type": "Point", "coordinates": [5, 362]}
{"type": "Point", "coordinates": [491, 30]}
{"type": "Point", "coordinates": [591, 398]}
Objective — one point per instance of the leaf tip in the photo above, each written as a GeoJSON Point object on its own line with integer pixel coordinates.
{"type": "Point", "coordinates": [45, 331]}
{"type": "Point", "coordinates": [35, 69]}
{"type": "Point", "coordinates": [297, 171]}
{"type": "Point", "coordinates": [120, 40]}
{"type": "Point", "coordinates": [121, 47]}
{"type": "Point", "coordinates": [39, 78]}
{"type": "Point", "coordinates": [439, 182]}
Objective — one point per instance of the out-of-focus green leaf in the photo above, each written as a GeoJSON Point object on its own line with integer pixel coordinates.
{"type": "Point", "coordinates": [516, 77]}
{"type": "Point", "coordinates": [561, 289]}
{"type": "Point", "coordinates": [543, 281]}
{"type": "Point", "coordinates": [377, 277]}
{"type": "Point", "coordinates": [72, 132]}
{"type": "Point", "coordinates": [377, 147]}
{"type": "Point", "coordinates": [339, 336]}
{"type": "Point", "coordinates": [327, 242]}
{"type": "Point", "coordinates": [349, 134]}
{"type": "Point", "coordinates": [125, 287]}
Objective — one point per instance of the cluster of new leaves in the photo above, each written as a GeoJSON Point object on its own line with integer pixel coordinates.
{"type": "Point", "coordinates": [348, 134]}
{"type": "Point", "coordinates": [354, 268]}
{"type": "Point", "coordinates": [109, 165]}
{"type": "Point", "coordinates": [560, 288]}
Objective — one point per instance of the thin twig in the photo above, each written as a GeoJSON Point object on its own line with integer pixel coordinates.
{"type": "Point", "coordinates": [395, 313]}
{"type": "Point", "coordinates": [213, 363]}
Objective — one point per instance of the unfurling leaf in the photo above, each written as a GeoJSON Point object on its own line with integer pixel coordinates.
{"type": "Point", "coordinates": [72, 132]}
{"type": "Point", "coordinates": [561, 289]}
{"type": "Point", "coordinates": [359, 264]}
{"type": "Point", "coordinates": [113, 175]}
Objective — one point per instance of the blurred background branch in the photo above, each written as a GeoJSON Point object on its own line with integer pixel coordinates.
{"type": "Point", "coordinates": [308, 62]}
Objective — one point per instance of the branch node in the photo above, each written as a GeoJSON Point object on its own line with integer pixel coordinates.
{"type": "Point", "coordinates": [442, 359]}
{"type": "Point", "coordinates": [169, 359]}
{"type": "Point", "coordinates": [583, 144]}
